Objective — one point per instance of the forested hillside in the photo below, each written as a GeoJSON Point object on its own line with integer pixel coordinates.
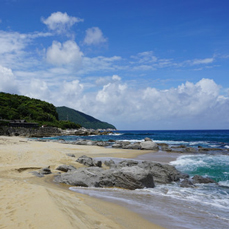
{"type": "Point", "coordinates": [32, 110]}
{"type": "Point", "coordinates": [84, 120]}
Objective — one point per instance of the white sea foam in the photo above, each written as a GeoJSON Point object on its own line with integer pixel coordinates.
{"type": "Point", "coordinates": [224, 183]}
{"type": "Point", "coordinates": [171, 142]}
{"type": "Point", "coordinates": [226, 146]}
{"type": "Point", "coordinates": [115, 134]}
{"type": "Point", "coordinates": [203, 194]}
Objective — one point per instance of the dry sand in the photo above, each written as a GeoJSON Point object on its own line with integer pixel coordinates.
{"type": "Point", "coordinates": [27, 201]}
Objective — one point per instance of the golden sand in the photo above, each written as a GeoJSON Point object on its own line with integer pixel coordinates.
{"type": "Point", "coordinates": [27, 201]}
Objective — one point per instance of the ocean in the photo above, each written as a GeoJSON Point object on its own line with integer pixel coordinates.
{"type": "Point", "coordinates": [205, 206]}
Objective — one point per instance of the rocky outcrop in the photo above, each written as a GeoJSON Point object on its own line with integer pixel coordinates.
{"type": "Point", "coordinates": [128, 174]}
{"type": "Point", "coordinates": [126, 177]}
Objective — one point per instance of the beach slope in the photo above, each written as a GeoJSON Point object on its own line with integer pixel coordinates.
{"type": "Point", "coordinates": [27, 201]}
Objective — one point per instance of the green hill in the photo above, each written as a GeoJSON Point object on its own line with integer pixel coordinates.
{"type": "Point", "coordinates": [84, 120]}
{"type": "Point", "coordinates": [32, 110]}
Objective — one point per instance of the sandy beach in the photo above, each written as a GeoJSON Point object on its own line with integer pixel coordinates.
{"type": "Point", "coordinates": [27, 201]}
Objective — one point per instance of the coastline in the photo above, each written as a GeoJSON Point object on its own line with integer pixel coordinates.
{"type": "Point", "coordinates": [31, 202]}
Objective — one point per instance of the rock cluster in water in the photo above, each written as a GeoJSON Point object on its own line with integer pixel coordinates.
{"type": "Point", "coordinates": [128, 174]}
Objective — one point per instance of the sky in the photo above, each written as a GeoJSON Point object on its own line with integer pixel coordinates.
{"type": "Point", "coordinates": [146, 65]}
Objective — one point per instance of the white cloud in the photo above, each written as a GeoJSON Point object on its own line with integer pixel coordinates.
{"type": "Point", "coordinates": [100, 63]}
{"type": "Point", "coordinates": [202, 61]}
{"type": "Point", "coordinates": [12, 42]}
{"type": "Point", "coordinates": [60, 22]}
{"type": "Point", "coordinates": [94, 36]}
{"type": "Point", "coordinates": [8, 81]}
{"type": "Point", "coordinates": [67, 53]}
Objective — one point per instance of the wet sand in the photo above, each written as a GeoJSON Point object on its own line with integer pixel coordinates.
{"type": "Point", "coordinates": [27, 201]}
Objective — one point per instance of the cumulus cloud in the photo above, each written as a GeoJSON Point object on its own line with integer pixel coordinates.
{"type": "Point", "coordinates": [191, 105]}
{"type": "Point", "coordinates": [67, 53]}
{"type": "Point", "coordinates": [60, 22]}
{"type": "Point", "coordinates": [8, 81]}
{"type": "Point", "coordinates": [94, 36]}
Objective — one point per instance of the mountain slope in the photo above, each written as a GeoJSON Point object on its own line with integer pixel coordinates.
{"type": "Point", "coordinates": [84, 120]}
{"type": "Point", "coordinates": [32, 110]}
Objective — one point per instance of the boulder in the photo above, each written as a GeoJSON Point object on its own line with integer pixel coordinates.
{"type": "Point", "coordinates": [110, 163]}
{"type": "Point", "coordinates": [45, 171]}
{"type": "Point", "coordinates": [148, 139]}
{"type": "Point", "coordinates": [132, 146]}
{"type": "Point", "coordinates": [202, 180]}
{"type": "Point", "coordinates": [66, 168]}
{"type": "Point", "coordinates": [88, 161]}
{"type": "Point", "coordinates": [131, 178]}
{"type": "Point", "coordinates": [186, 183]}
{"type": "Point", "coordinates": [149, 145]}
{"type": "Point", "coordinates": [117, 145]}
{"type": "Point", "coordinates": [102, 143]}
{"type": "Point", "coordinates": [163, 174]}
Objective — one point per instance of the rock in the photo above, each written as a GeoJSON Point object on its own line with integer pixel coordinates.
{"type": "Point", "coordinates": [117, 145]}
{"type": "Point", "coordinates": [186, 183]}
{"type": "Point", "coordinates": [132, 146]}
{"type": "Point", "coordinates": [109, 163]}
{"type": "Point", "coordinates": [127, 177]}
{"type": "Point", "coordinates": [163, 174]}
{"type": "Point", "coordinates": [149, 145]}
{"type": "Point", "coordinates": [102, 143]}
{"type": "Point", "coordinates": [66, 168]}
{"type": "Point", "coordinates": [70, 155]}
{"type": "Point", "coordinates": [45, 171]}
{"type": "Point", "coordinates": [88, 161]}
{"type": "Point", "coordinates": [202, 180]}
{"type": "Point", "coordinates": [148, 139]}
{"type": "Point", "coordinates": [127, 163]}
{"type": "Point", "coordinates": [125, 143]}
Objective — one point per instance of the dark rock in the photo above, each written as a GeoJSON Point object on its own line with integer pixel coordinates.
{"type": "Point", "coordinates": [66, 168]}
{"type": "Point", "coordinates": [42, 172]}
{"type": "Point", "coordinates": [202, 180]}
{"type": "Point", "coordinates": [148, 139]}
{"type": "Point", "coordinates": [70, 155]}
{"type": "Point", "coordinates": [45, 171]}
{"type": "Point", "coordinates": [98, 163]}
{"type": "Point", "coordinates": [186, 183]}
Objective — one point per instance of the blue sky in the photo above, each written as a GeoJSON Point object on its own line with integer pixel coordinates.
{"type": "Point", "coordinates": [138, 65]}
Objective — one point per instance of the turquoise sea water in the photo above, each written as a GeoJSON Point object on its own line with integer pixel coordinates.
{"type": "Point", "coordinates": [206, 206]}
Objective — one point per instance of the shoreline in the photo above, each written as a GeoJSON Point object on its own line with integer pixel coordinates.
{"type": "Point", "coordinates": [29, 201]}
